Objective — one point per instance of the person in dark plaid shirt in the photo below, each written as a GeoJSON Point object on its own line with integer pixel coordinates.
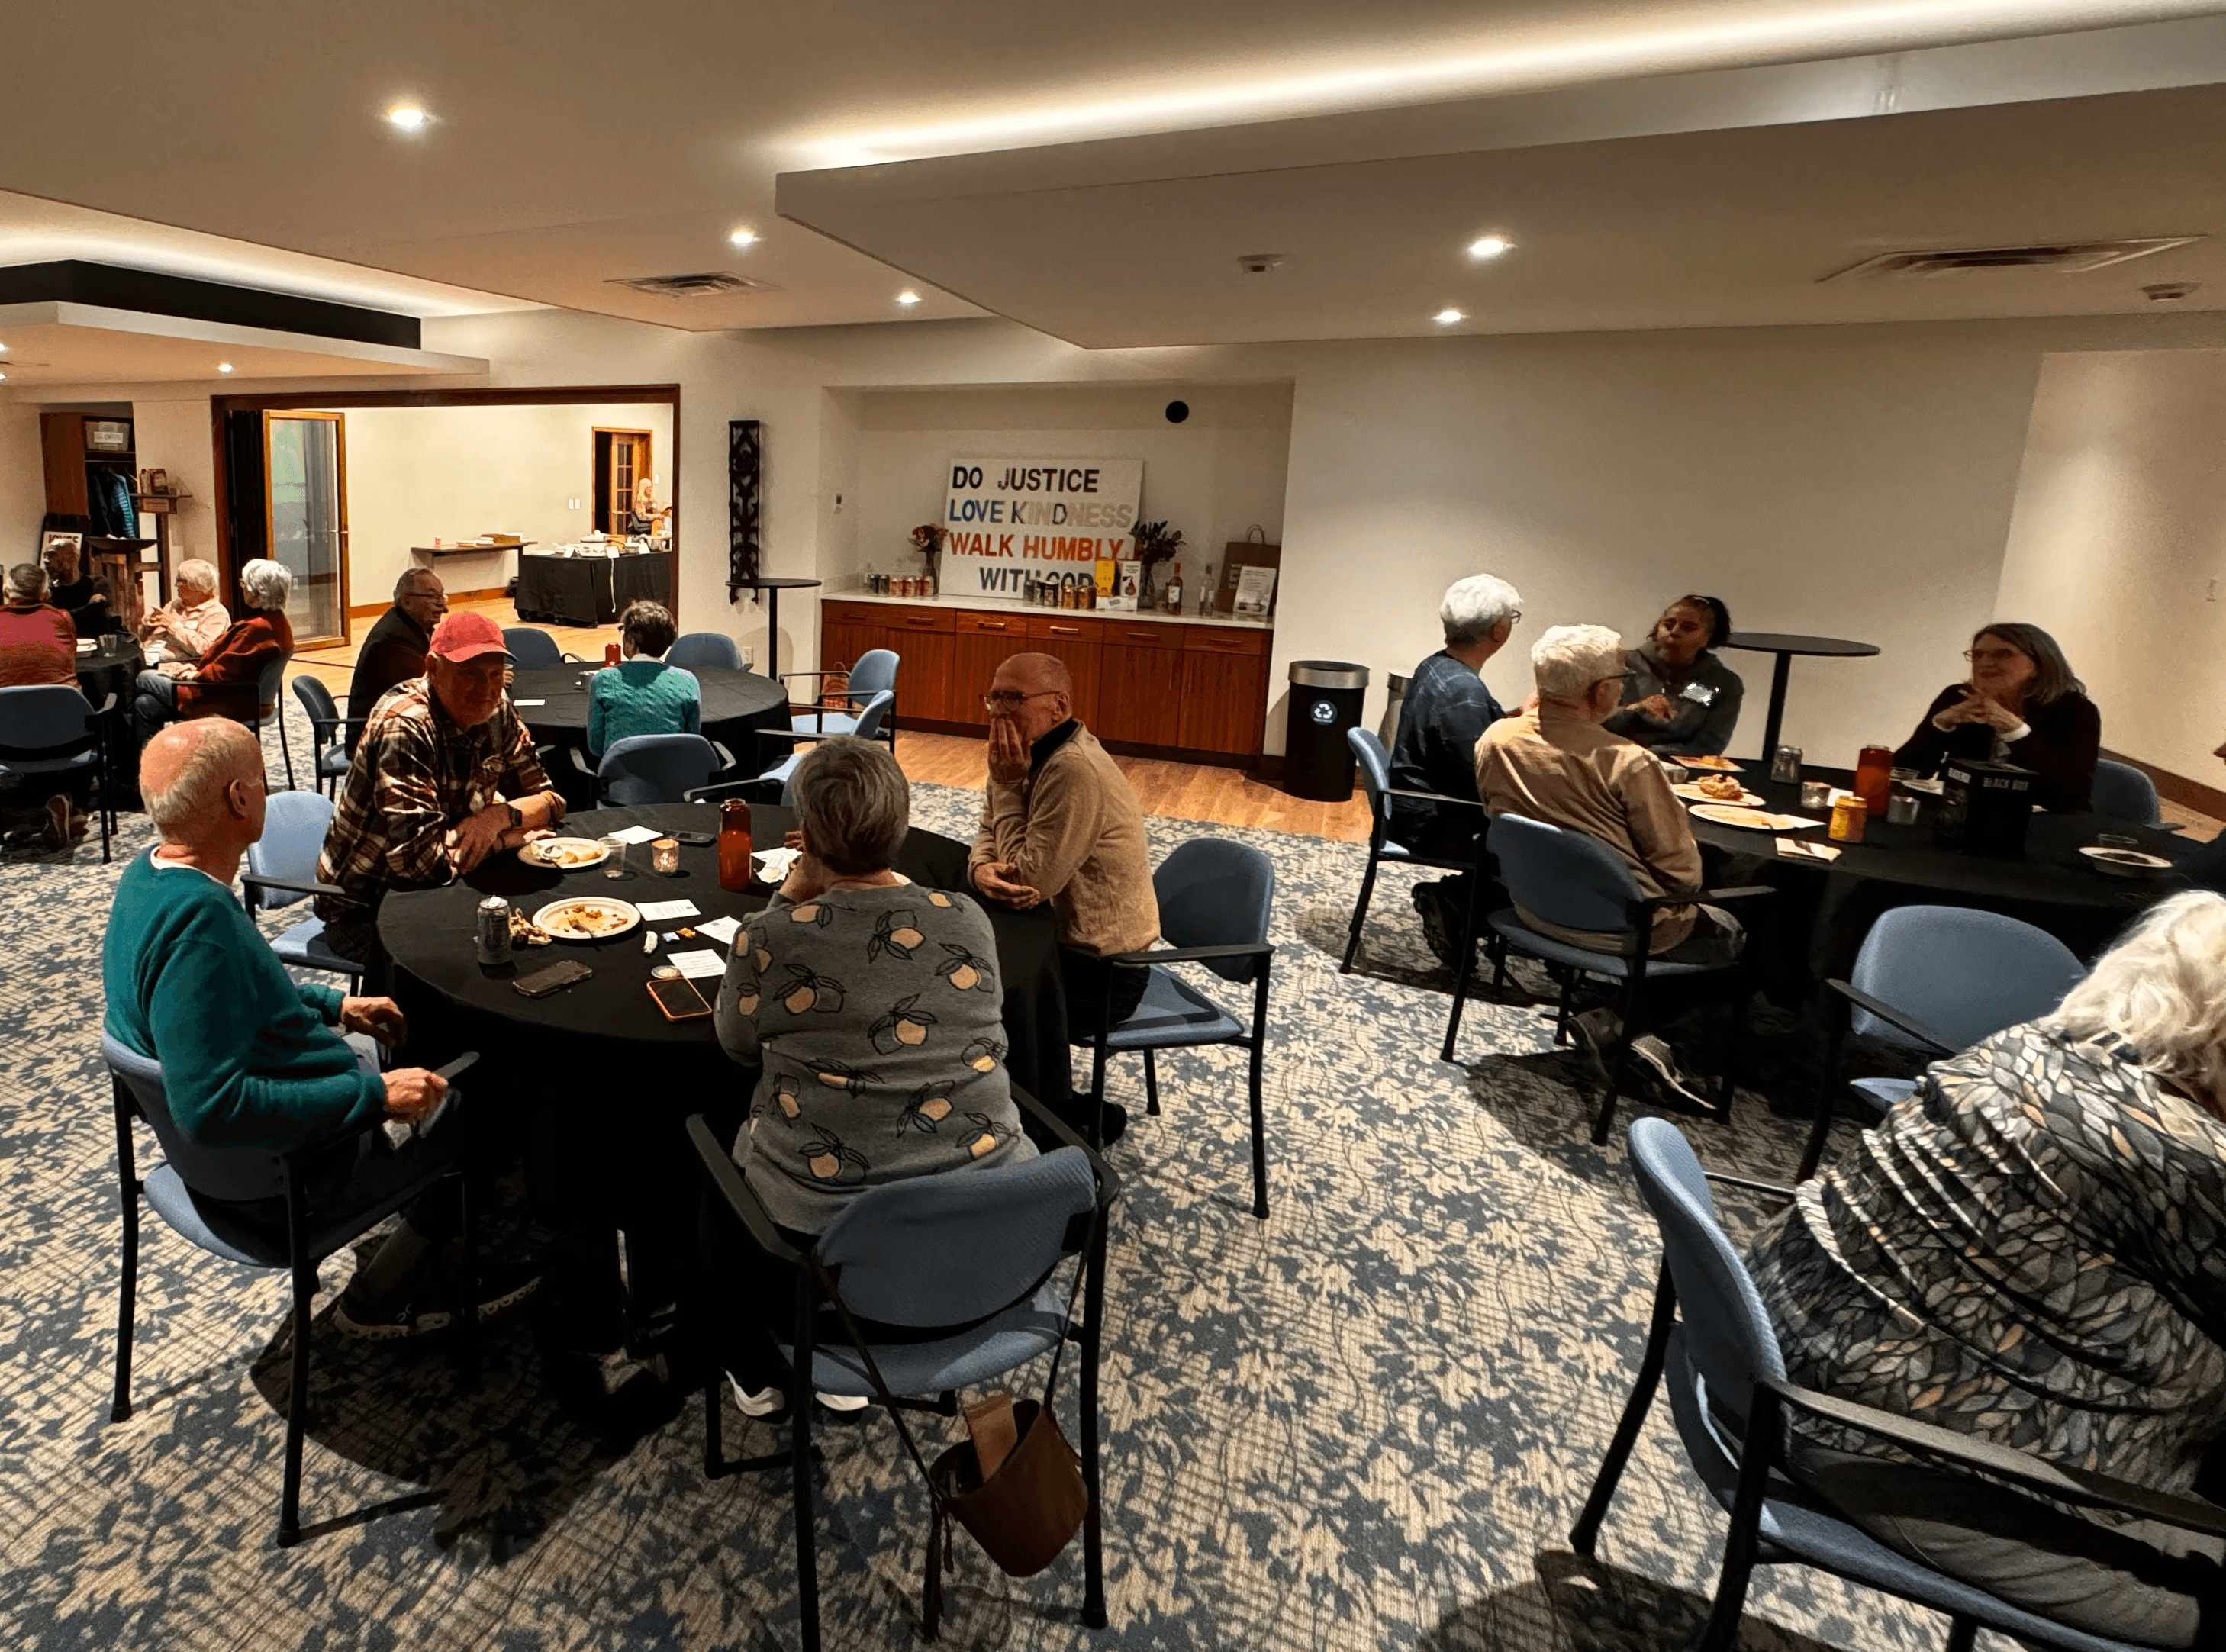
{"type": "Point", "coordinates": [443, 776]}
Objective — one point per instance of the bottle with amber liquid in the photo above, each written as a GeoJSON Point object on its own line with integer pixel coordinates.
{"type": "Point", "coordinates": [734, 844]}
{"type": "Point", "coordinates": [1875, 776]}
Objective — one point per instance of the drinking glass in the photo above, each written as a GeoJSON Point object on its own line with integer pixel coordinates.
{"type": "Point", "coordinates": [616, 867]}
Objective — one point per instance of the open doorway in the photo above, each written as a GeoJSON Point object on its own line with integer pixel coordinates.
{"type": "Point", "coordinates": [622, 458]}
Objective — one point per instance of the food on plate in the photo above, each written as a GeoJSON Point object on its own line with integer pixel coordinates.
{"type": "Point", "coordinates": [586, 920]}
{"type": "Point", "coordinates": [524, 931]}
{"type": "Point", "coordinates": [565, 852]}
{"type": "Point", "coordinates": [1721, 787]}
{"type": "Point", "coordinates": [1717, 765]}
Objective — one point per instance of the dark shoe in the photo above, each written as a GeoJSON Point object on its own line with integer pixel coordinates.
{"type": "Point", "coordinates": [1116, 1123]}
{"type": "Point", "coordinates": [1595, 1031]}
{"type": "Point", "coordinates": [1430, 907]}
{"type": "Point", "coordinates": [1674, 1087]}
{"type": "Point", "coordinates": [501, 1287]}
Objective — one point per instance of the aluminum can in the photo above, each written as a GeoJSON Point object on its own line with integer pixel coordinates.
{"type": "Point", "coordinates": [1850, 815]}
{"type": "Point", "coordinates": [491, 930]}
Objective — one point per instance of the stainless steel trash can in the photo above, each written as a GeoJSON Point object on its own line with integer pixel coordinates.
{"type": "Point", "coordinates": [1395, 691]}
{"type": "Point", "coordinates": [1326, 697]}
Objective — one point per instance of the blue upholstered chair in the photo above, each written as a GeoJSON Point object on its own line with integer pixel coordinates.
{"type": "Point", "coordinates": [271, 707]}
{"type": "Point", "coordinates": [973, 1251]}
{"type": "Point", "coordinates": [1577, 882]}
{"type": "Point", "coordinates": [530, 646]}
{"type": "Point", "coordinates": [875, 671]}
{"type": "Point", "coordinates": [868, 725]}
{"type": "Point", "coordinates": [329, 730]}
{"type": "Point", "coordinates": [189, 1191]}
{"type": "Point", "coordinates": [1215, 900]}
{"type": "Point", "coordinates": [57, 735]}
{"type": "Point", "coordinates": [2123, 792]}
{"type": "Point", "coordinates": [1711, 1341]}
{"type": "Point", "coordinates": [281, 869]}
{"type": "Point", "coordinates": [704, 650]}
{"type": "Point", "coordinates": [644, 769]}
{"type": "Point", "coordinates": [1375, 766]}
{"type": "Point", "coordinates": [1930, 980]}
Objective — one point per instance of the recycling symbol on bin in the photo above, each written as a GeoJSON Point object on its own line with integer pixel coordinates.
{"type": "Point", "coordinates": [1322, 712]}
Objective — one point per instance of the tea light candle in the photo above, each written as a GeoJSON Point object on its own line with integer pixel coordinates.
{"type": "Point", "coordinates": [664, 855]}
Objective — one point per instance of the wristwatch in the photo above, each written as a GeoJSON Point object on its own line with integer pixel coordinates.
{"type": "Point", "coordinates": [516, 818]}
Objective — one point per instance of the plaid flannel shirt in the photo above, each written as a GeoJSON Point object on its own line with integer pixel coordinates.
{"type": "Point", "coordinates": [416, 775]}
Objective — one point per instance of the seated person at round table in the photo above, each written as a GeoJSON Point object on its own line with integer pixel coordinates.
{"type": "Point", "coordinates": [252, 1059]}
{"type": "Point", "coordinates": [37, 643]}
{"type": "Point", "coordinates": [1446, 708]}
{"type": "Point", "coordinates": [395, 650]}
{"type": "Point", "coordinates": [870, 1008]}
{"type": "Point", "coordinates": [444, 776]}
{"type": "Point", "coordinates": [2029, 1251]}
{"type": "Point", "coordinates": [1679, 700]}
{"type": "Point", "coordinates": [188, 624]}
{"type": "Point", "coordinates": [2021, 704]}
{"type": "Point", "coordinates": [69, 582]}
{"type": "Point", "coordinates": [642, 695]}
{"type": "Point", "coordinates": [228, 681]}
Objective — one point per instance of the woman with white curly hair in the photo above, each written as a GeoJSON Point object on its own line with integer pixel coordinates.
{"type": "Point", "coordinates": [2031, 1251]}
{"type": "Point", "coordinates": [224, 684]}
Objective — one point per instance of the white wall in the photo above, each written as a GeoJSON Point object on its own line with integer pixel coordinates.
{"type": "Point", "coordinates": [22, 483]}
{"type": "Point", "coordinates": [2118, 545]}
{"type": "Point", "coordinates": [418, 472]}
{"type": "Point", "coordinates": [1214, 475]}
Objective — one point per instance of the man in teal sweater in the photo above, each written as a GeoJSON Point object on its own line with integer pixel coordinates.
{"type": "Point", "coordinates": [249, 1058]}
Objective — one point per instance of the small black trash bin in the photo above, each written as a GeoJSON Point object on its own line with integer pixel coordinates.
{"type": "Point", "coordinates": [1326, 697]}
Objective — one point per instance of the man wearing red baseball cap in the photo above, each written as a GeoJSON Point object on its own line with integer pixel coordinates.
{"type": "Point", "coordinates": [443, 776]}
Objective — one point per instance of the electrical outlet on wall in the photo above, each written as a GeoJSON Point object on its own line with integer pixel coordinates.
{"type": "Point", "coordinates": [571, 505]}
{"type": "Point", "coordinates": [838, 504]}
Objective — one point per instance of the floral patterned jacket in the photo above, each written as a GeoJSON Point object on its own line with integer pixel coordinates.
{"type": "Point", "coordinates": [2032, 1249]}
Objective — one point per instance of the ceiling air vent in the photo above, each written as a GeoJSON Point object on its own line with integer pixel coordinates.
{"type": "Point", "coordinates": [2068, 257]}
{"type": "Point", "coordinates": [709, 284]}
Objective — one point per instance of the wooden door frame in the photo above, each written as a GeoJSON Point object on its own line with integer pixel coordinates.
{"type": "Point", "coordinates": [648, 452]}
{"type": "Point", "coordinates": [339, 419]}
{"type": "Point", "coordinates": [538, 396]}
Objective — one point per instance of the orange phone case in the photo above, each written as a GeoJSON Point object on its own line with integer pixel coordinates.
{"type": "Point", "coordinates": [677, 984]}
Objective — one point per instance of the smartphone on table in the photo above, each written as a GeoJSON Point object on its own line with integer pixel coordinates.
{"type": "Point", "coordinates": [542, 983]}
{"type": "Point", "coordinates": [676, 996]}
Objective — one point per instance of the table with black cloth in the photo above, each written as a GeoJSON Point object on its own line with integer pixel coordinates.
{"type": "Point", "coordinates": [595, 1082]}
{"type": "Point", "coordinates": [736, 704]}
{"type": "Point", "coordinates": [113, 667]}
{"type": "Point", "coordinates": [591, 590]}
{"type": "Point", "coordinates": [1816, 925]}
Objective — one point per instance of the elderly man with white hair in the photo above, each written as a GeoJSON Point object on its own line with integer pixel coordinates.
{"type": "Point", "coordinates": [1446, 711]}
{"type": "Point", "coordinates": [188, 624]}
{"type": "Point", "coordinates": [251, 1058]}
{"type": "Point", "coordinates": [226, 682]}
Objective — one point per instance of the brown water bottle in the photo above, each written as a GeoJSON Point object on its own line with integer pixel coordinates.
{"type": "Point", "coordinates": [734, 845]}
{"type": "Point", "coordinates": [611, 655]}
{"type": "Point", "coordinates": [1875, 776]}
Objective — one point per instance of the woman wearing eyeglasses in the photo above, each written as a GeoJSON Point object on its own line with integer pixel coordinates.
{"type": "Point", "coordinates": [2021, 704]}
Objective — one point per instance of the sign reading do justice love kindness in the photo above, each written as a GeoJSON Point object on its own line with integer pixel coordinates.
{"type": "Point", "coordinates": [1012, 520]}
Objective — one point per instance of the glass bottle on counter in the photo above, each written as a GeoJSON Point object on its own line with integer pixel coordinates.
{"type": "Point", "coordinates": [734, 844]}
{"type": "Point", "coordinates": [1174, 592]}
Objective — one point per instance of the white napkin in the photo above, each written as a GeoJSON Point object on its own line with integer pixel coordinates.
{"type": "Point", "coordinates": [773, 864]}
{"type": "Point", "coordinates": [635, 834]}
{"type": "Point", "coordinates": [697, 965]}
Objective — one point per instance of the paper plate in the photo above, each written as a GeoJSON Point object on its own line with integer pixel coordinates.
{"type": "Point", "coordinates": [605, 918]}
{"type": "Point", "coordinates": [565, 853]}
{"type": "Point", "coordinates": [2123, 863]}
{"type": "Point", "coordinates": [1753, 820]}
{"type": "Point", "coordinates": [1713, 764]}
{"type": "Point", "coordinates": [1691, 793]}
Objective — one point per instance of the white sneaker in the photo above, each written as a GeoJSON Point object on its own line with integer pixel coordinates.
{"type": "Point", "coordinates": [841, 1401]}
{"type": "Point", "coordinates": [761, 1403]}
{"type": "Point", "coordinates": [1669, 1079]}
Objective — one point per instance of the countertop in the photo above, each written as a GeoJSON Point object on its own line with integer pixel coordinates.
{"type": "Point", "coordinates": [990, 605]}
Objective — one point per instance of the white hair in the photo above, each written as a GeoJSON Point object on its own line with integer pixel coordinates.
{"type": "Point", "coordinates": [1569, 659]}
{"type": "Point", "coordinates": [265, 584]}
{"type": "Point", "coordinates": [1474, 608]}
{"type": "Point", "coordinates": [2163, 990]}
{"type": "Point", "coordinates": [409, 576]}
{"type": "Point", "coordinates": [198, 574]}
{"type": "Point", "coordinates": [226, 752]}
{"type": "Point", "coordinates": [27, 583]}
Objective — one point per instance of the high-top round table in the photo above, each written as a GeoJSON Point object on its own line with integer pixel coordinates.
{"type": "Point", "coordinates": [553, 702]}
{"type": "Point", "coordinates": [773, 588]}
{"type": "Point", "coordinates": [1785, 645]}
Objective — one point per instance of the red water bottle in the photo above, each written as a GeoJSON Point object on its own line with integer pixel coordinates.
{"type": "Point", "coordinates": [610, 653]}
{"type": "Point", "coordinates": [1875, 776]}
{"type": "Point", "coordinates": [734, 845]}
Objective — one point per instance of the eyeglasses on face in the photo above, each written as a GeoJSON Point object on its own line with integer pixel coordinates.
{"type": "Point", "coordinates": [1991, 656]}
{"type": "Point", "coordinates": [1011, 699]}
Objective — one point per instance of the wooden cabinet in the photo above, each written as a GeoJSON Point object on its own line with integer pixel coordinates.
{"type": "Point", "coordinates": [1139, 683]}
{"type": "Point", "coordinates": [985, 640]}
{"type": "Point", "coordinates": [1223, 691]}
{"type": "Point", "coordinates": [926, 647]}
{"type": "Point", "coordinates": [1074, 640]}
{"type": "Point", "coordinates": [847, 630]}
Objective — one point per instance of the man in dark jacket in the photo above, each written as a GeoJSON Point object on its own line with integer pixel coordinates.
{"type": "Point", "coordinates": [394, 652]}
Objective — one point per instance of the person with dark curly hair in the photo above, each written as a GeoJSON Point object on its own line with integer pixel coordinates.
{"type": "Point", "coordinates": [1679, 700]}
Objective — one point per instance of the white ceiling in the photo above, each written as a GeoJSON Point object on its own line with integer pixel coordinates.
{"type": "Point", "coordinates": [90, 344]}
{"type": "Point", "coordinates": [573, 144]}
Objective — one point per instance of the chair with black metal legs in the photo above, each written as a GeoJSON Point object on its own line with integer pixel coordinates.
{"type": "Point", "coordinates": [704, 650]}
{"type": "Point", "coordinates": [1577, 882]}
{"type": "Point", "coordinates": [281, 869]}
{"type": "Point", "coordinates": [640, 770]}
{"type": "Point", "coordinates": [1375, 767]}
{"type": "Point", "coordinates": [1215, 900]}
{"type": "Point", "coordinates": [976, 1251]}
{"type": "Point", "coordinates": [329, 730]}
{"type": "Point", "coordinates": [2122, 790]}
{"type": "Point", "coordinates": [530, 646]}
{"type": "Point", "coordinates": [54, 732]}
{"type": "Point", "coordinates": [1930, 980]}
{"type": "Point", "coordinates": [876, 671]}
{"type": "Point", "coordinates": [868, 727]}
{"type": "Point", "coordinates": [189, 1191]}
{"type": "Point", "coordinates": [271, 707]}
{"type": "Point", "coordinates": [1712, 1340]}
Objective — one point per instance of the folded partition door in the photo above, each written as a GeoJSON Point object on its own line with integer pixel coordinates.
{"type": "Point", "coordinates": [305, 498]}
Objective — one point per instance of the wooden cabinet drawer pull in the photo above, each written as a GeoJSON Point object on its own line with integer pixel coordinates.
{"type": "Point", "coordinates": [988, 625]}
{"type": "Point", "coordinates": [1064, 630]}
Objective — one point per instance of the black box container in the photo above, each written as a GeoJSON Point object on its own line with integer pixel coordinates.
{"type": "Point", "coordinates": [1984, 807]}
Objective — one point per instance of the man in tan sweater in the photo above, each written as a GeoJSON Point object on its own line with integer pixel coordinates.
{"type": "Point", "coordinates": [1061, 824]}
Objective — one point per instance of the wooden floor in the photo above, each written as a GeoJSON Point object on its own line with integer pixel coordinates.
{"type": "Point", "coordinates": [1178, 790]}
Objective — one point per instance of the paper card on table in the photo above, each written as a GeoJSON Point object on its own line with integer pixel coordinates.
{"type": "Point", "coordinates": [635, 834]}
{"type": "Point", "coordinates": [773, 865]}
{"type": "Point", "coordinates": [721, 930]}
{"type": "Point", "coordinates": [529, 703]}
{"type": "Point", "coordinates": [1800, 849]}
{"type": "Point", "coordinates": [698, 964]}
{"type": "Point", "coordinates": [658, 911]}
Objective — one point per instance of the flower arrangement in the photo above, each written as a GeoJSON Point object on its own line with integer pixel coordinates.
{"type": "Point", "coordinates": [929, 537]}
{"type": "Point", "coordinates": [1155, 542]}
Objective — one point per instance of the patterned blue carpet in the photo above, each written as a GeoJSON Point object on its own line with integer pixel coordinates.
{"type": "Point", "coordinates": [1365, 1423]}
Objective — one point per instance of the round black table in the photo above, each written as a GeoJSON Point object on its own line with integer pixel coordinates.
{"type": "Point", "coordinates": [596, 1085]}
{"type": "Point", "coordinates": [553, 701]}
{"type": "Point", "coordinates": [113, 667]}
{"type": "Point", "coordinates": [1785, 645]}
{"type": "Point", "coordinates": [773, 588]}
{"type": "Point", "coordinates": [1824, 909]}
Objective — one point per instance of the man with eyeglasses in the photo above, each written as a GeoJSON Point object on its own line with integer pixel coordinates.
{"type": "Point", "coordinates": [1447, 709]}
{"type": "Point", "coordinates": [1061, 824]}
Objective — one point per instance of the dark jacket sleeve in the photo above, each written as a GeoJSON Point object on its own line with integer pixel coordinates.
{"type": "Point", "coordinates": [1928, 747]}
{"type": "Point", "coordinates": [2065, 741]}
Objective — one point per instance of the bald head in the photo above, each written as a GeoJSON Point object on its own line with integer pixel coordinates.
{"type": "Point", "coordinates": [1039, 672]}
{"type": "Point", "coordinates": [1035, 692]}
{"type": "Point", "coordinates": [186, 775]}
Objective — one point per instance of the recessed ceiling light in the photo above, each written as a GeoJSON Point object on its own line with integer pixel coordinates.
{"type": "Point", "coordinates": [4, 349]}
{"type": "Point", "coordinates": [1447, 317]}
{"type": "Point", "coordinates": [907, 298]}
{"type": "Point", "coordinates": [3, 379]}
{"type": "Point", "coordinates": [224, 367]}
{"type": "Point", "coordinates": [744, 238]}
{"type": "Point", "coordinates": [407, 118]}
{"type": "Point", "coordinates": [1489, 246]}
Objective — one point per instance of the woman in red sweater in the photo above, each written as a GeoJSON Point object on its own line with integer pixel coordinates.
{"type": "Point", "coordinates": [37, 642]}
{"type": "Point", "coordinates": [225, 683]}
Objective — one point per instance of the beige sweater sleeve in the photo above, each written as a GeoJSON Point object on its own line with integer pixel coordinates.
{"type": "Point", "coordinates": [1659, 829]}
{"type": "Point", "coordinates": [1046, 827]}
